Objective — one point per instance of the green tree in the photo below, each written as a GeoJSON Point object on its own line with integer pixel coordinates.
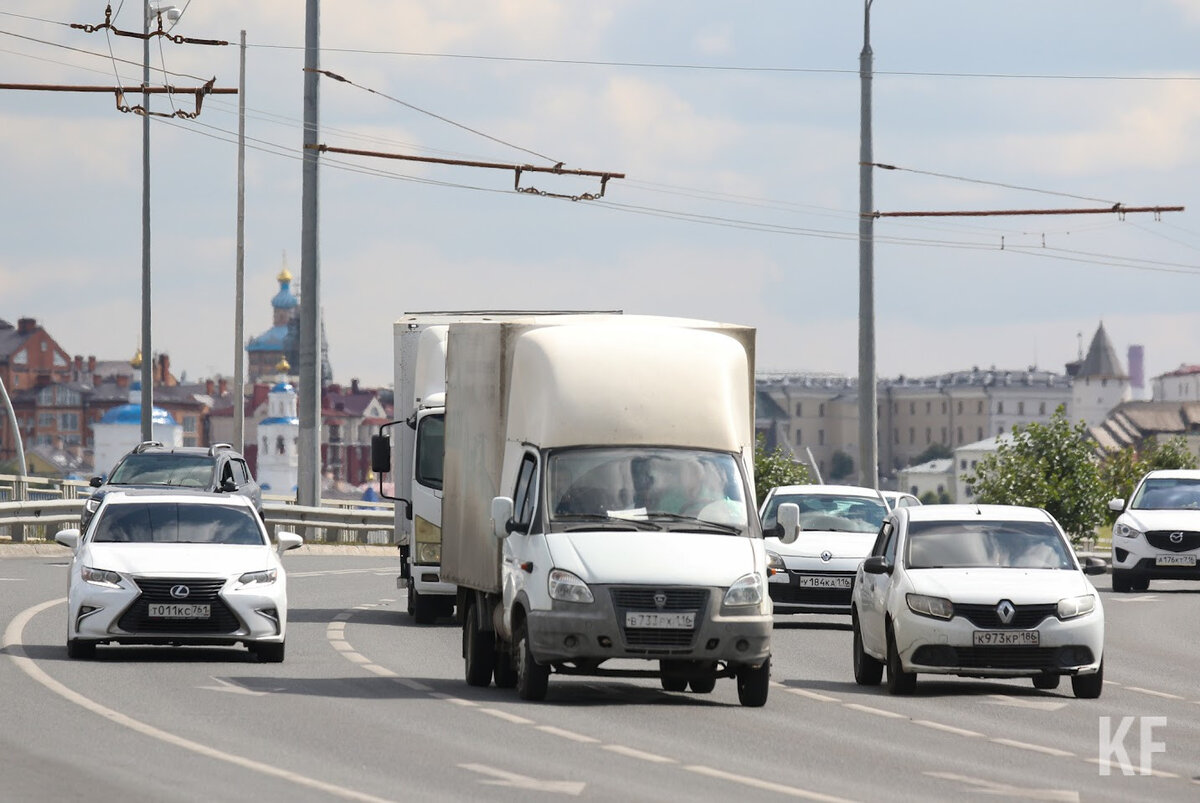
{"type": "Point", "coordinates": [1121, 470]}
{"type": "Point", "coordinates": [1048, 465]}
{"type": "Point", "coordinates": [841, 465]}
{"type": "Point", "coordinates": [772, 469]}
{"type": "Point", "coordinates": [937, 451]}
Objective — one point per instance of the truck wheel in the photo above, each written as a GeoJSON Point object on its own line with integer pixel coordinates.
{"type": "Point", "coordinates": [424, 607]}
{"type": "Point", "coordinates": [479, 651]}
{"type": "Point", "coordinates": [505, 673]}
{"type": "Point", "coordinates": [868, 671]}
{"type": "Point", "coordinates": [703, 685]}
{"type": "Point", "coordinates": [533, 679]}
{"type": "Point", "coordinates": [673, 683]}
{"type": "Point", "coordinates": [753, 684]}
{"type": "Point", "coordinates": [411, 596]}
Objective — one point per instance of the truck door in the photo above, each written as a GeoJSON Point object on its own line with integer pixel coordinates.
{"type": "Point", "coordinates": [525, 559]}
{"type": "Point", "coordinates": [428, 457]}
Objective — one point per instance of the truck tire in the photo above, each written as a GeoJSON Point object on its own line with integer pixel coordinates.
{"type": "Point", "coordinates": [533, 679]}
{"type": "Point", "coordinates": [424, 607]}
{"type": "Point", "coordinates": [505, 673]}
{"type": "Point", "coordinates": [753, 684]}
{"type": "Point", "coordinates": [479, 651]}
{"type": "Point", "coordinates": [410, 596]}
{"type": "Point", "coordinates": [673, 683]}
{"type": "Point", "coordinates": [703, 685]}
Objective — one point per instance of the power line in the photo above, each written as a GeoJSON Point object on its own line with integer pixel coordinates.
{"type": "Point", "coordinates": [990, 183]}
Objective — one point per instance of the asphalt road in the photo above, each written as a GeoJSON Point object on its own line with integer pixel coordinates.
{"type": "Point", "coordinates": [368, 706]}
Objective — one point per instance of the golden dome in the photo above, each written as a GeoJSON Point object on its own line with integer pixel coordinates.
{"type": "Point", "coordinates": [283, 366]}
{"type": "Point", "coordinates": [136, 362]}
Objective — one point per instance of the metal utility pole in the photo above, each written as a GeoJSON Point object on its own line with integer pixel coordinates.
{"type": "Point", "coordinates": [147, 349]}
{"type": "Point", "coordinates": [308, 489]}
{"type": "Point", "coordinates": [239, 355]}
{"type": "Point", "coordinates": [868, 410]}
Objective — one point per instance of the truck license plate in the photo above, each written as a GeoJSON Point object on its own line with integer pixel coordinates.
{"type": "Point", "coordinates": [1005, 638]}
{"type": "Point", "coordinates": [665, 621]}
{"type": "Point", "coordinates": [1175, 560]}
{"type": "Point", "coordinates": [174, 610]}
{"type": "Point", "coordinates": [818, 581]}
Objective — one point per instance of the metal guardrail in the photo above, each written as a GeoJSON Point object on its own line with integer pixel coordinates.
{"type": "Point", "coordinates": [44, 510]}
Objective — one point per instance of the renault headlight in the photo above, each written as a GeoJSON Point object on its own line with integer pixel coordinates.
{"type": "Point", "coordinates": [1073, 607]}
{"type": "Point", "coordinates": [746, 590]}
{"type": "Point", "coordinates": [1125, 531]}
{"type": "Point", "coordinates": [100, 577]}
{"type": "Point", "coordinates": [935, 607]}
{"type": "Point", "coordinates": [266, 576]}
{"type": "Point", "coordinates": [566, 587]}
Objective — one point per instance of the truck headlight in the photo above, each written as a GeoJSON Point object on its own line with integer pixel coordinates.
{"type": "Point", "coordinates": [429, 553]}
{"type": "Point", "coordinates": [566, 587]}
{"type": "Point", "coordinates": [1073, 607]}
{"type": "Point", "coordinates": [1125, 531]}
{"type": "Point", "coordinates": [935, 607]}
{"type": "Point", "coordinates": [746, 590]}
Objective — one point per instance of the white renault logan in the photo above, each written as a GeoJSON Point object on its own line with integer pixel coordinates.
{"type": "Point", "coordinates": [976, 591]}
{"type": "Point", "coordinates": [176, 568]}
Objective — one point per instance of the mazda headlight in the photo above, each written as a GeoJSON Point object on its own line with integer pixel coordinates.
{"type": "Point", "coordinates": [935, 607]}
{"type": "Point", "coordinates": [1072, 607]}
{"type": "Point", "coordinates": [1125, 531]}
{"type": "Point", "coordinates": [746, 590]}
{"type": "Point", "coordinates": [267, 576]}
{"type": "Point", "coordinates": [100, 577]}
{"type": "Point", "coordinates": [566, 587]}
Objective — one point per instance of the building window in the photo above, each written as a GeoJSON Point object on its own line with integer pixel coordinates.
{"type": "Point", "coordinates": [999, 430]}
{"type": "Point", "coordinates": [1020, 408]}
{"type": "Point", "coordinates": [189, 423]}
{"type": "Point", "coordinates": [928, 407]}
{"type": "Point", "coordinates": [820, 437]}
{"type": "Point", "coordinates": [821, 409]}
{"type": "Point", "coordinates": [45, 420]}
{"type": "Point", "coordinates": [265, 448]}
{"type": "Point", "coordinates": [895, 436]}
{"type": "Point", "coordinates": [1104, 382]}
{"type": "Point", "coordinates": [279, 446]}
{"type": "Point", "coordinates": [959, 433]}
{"type": "Point", "coordinates": [960, 407]}
{"type": "Point", "coordinates": [912, 408]}
{"type": "Point", "coordinates": [979, 434]}
{"type": "Point", "coordinates": [912, 435]}
{"type": "Point", "coordinates": [1042, 408]}
{"type": "Point", "coordinates": [68, 422]}
{"type": "Point", "coordinates": [979, 407]}
{"type": "Point", "coordinates": [999, 408]}
{"type": "Point", "coordinates": [928, 435]}
{"type": "Point", "coordinates": [799, 437]}
{"type": "Point", "coordinates": [962, 465]}
{"type": "Point", "coordinates": [799, 409]}
{"type": "Point", "coordinates": [943, 438]}
{"type": "Point", "coordinates": [943, 408]}
{"type": "Point", "coordinates": [895, 408]}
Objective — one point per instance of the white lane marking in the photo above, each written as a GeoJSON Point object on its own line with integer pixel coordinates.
{"type": "Point", "coordinates": [1117, 766]}
{"type": "Point", "coordinates": [1007, 790]}
{"type": "Point", "coordinates": [1021, 702]}
{"type": "Point", "coordinates": [437, 695]}
{"type": "Point", "coordinates": [630, 752]}
{"type": "Point", "coordinates": [12, 579]}
{"type": "Point", "coordinates": [1143, 598]}
{"type": "Point", "coordinates": [342, 646]}
{"type": "Point", "coordinates": [233, 688]}
{"type": "Point", "coordinates": [1154, 693]}
{"type": "Point", "coordinates": [342, 617]}
{"type": "Point", "coordinates": [335, 627]}
{"type": "Point", "coordinates": [12, 639]}
{"type": "Point", "coordinates": [507, 717]}
{"type": "Point", "coordinates": [505, 778]}
{"type": "Point", "coordinates": [415, 685]}
{"type": "Point", "coordinates": [879, 712]}
{"type": "Point", "coordinates": [769, 786]}
{"type": "Point", "coordinates": [812, 695]}
{"type": "Point", "coordinates": [565, 734]}
{"type": "Point", "coordinates": [925, 723]}
{"type": "Point", "coordinates": [357, 658]}
{"type": "Point", "coordinates": [1037, 748]}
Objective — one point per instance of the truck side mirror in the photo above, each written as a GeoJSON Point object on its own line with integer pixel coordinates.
{"type": "Point", "coordinates": [502, 510]}
{"type": "Point", "coordinates": [788, 517]}
{"type": "Point", "coordinates": [381, 454]}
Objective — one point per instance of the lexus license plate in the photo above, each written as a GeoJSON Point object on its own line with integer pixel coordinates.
{"type": "Point", "coordinates": [1005, 638]}
{"type": "Point", "coordinates": [175, 610]}
{"type": "Point", "coordinates": [665, 621]}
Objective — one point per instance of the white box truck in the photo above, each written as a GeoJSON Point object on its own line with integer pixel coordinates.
{"type": "Point", "coordinates": [414, 454]}
{"type": "Point", "coordinates": [598, 503]}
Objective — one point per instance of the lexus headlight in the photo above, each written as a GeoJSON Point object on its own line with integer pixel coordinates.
{"type": "Point", "coordinates": [1076, 606]}
{"type": "Point", "coordinates": [936, 607]}
{"type": "Point", "coordinates": [567, 587]}
{"type": "Point", "coordinates": [1125, 531]}
{"type": "Point", "coordinates": [267, 576]}
{"type": "Point", "coordinates": [746, 590]}
{"type": "Point", "coordinates": [90, 504]}
{"type": "Point", "coordinates": [100, 577]}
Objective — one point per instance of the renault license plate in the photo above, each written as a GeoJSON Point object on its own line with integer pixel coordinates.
{"type": "Point", "coordinates": [665, 621]}
{"type": "Point", "coordinates": [1005, 638]}
{"type": "Point", "coordinates": [174, 610]}
{"type": "Point", "coordinates": [1175, 560]}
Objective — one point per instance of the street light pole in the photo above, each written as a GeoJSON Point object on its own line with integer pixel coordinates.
{"type": "Point", "coordinates": [868, 410]}
{"type": "Point", "coordinates": [147, 350]}
{"type": "Point", "coordinates": [308, 487]}
{"type": "Point", "coordinates": [239, 355]}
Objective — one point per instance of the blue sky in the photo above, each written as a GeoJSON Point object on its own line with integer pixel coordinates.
{"type": "Point", "coordinates": [737, 126]}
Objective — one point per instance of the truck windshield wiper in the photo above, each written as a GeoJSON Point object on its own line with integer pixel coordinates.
{"type": "Point", "coordinates": [716, 525]}
{"type": "Point", "coordinates": [606, 522]}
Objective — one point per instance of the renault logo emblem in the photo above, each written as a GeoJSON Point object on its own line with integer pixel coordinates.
{"type": "Point", "coordinates": [180, 592]}
{"type": "Point", "coordinates": [660, 600]}
{"type": "Point", "coordinates": [826, 556]}
{"type": "Point", "coordinates": [1006, 611]}
{"type": "Point", "coordinates": [1176, 538]}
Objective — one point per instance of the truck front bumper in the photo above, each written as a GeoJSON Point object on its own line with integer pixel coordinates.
{"type": "Point", "coordinates": [601, 630]}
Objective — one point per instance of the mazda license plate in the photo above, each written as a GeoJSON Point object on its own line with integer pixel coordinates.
{"type": "Point", "coordinates": [175, 610]}
{"type": "Point", "coordinates": [1175, 560]}
{"type": "Point", "coordinates": [1005, 638]}
{"type": "Point", "coordinates": [665, 621]}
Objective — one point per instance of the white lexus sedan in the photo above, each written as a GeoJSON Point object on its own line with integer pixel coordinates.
{"type": "Point", "coordinates": [838, 524]}
{"type": "Point", "coordinates": [977, 591]}
{"type": "Point", "coordinates": [176, 568]}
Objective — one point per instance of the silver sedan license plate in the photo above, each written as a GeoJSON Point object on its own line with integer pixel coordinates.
{"type": "Point", "coordinates": [1005, 638]}
{"type": "Point", "coordinates": [1175, 560]}
{"type": "Point", "coordinates": [666, 621]}
{"type": "Point", "coordinates": [819, 581]}
{"type": "Point", "coordinates": [174, 610]}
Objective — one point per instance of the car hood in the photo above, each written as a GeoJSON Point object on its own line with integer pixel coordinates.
{"type": "Point", "coordinates": [811, 543]}
{"type": "Point", "coordinates": [178, 560]}
{"type": "Point", "coordinates": [669, 558]}
{"type": "Point", "coordinates": [989, 586]}
{"type": "Point", "coordinates": [1151, 520]}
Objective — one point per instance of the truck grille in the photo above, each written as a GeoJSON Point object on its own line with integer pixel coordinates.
{"type": "Point", "coordinates": [654, 639]}
{"type": "Point", "coordinates": [1025, 617]}
{"type": "Point", "coordinates": [203, 591]}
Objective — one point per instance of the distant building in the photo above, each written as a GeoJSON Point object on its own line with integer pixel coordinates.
{"type": "Point", "coordinates": [935, 476]}
{"type": "Point", "coordinates": [120, 429]}
{"type": "Point", "coordinates": [282, 340]}
{"type": "Point", "coordinates": [278, 437]}
{"type": "Point", "coordinates": [966, 459]}
{"type": "Point", "coordinates": [1100, 383]}
{"type": "Point", "coordinates": [1133, 423]}
{"type": "Point", "coordinates": [1180, 385]}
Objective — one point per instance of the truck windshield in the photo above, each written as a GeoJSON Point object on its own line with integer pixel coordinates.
{"type": "Point", "coordinates": [678, 489]}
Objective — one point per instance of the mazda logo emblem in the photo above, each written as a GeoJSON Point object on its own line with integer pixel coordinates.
{"type": "Point", "coordinates": [180, 591]}
{"type": "Point", "coordinates": [1176, 538]}
{"type": "Point", "coordinates": [660, 600]}
{"type": "Point", "coordinates": [1006, 611]}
